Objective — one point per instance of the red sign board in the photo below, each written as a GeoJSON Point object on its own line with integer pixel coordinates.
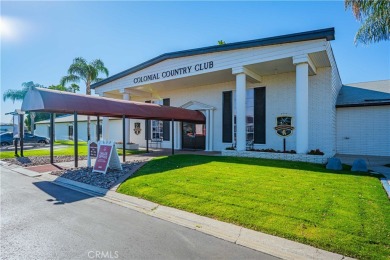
{"type": "Point", "coordinates": [103, 158]}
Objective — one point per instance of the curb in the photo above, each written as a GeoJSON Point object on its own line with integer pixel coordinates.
{"type": "Point", "coordinates": [25, 172]}
{"type": "Point", "coordinates": [386, 186]}
{"type": "Point", "coordinates": [276, 246]}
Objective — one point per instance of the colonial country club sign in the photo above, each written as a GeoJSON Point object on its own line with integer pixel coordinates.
{"type": "Point", "coordinates": [174, 72]}
{"type": "Point", "coordinates": [284, 126]}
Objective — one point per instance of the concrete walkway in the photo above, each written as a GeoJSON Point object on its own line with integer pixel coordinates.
{"type": "Point", "coordinates": [374, 163]}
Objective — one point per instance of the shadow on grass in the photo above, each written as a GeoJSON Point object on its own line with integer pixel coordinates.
{"type": "Point", "coordinates": [164, 164]}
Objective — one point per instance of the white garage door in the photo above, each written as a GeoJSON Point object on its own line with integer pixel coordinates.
{"type": "Point", "coordinates": [364, 130]}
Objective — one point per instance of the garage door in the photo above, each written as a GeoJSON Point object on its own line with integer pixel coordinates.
{"type": "Point", "coordinates": [363, 130]}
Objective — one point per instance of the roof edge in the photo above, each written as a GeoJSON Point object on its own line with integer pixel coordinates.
{"type": "Point", "coordinates": [373, 104]}
{"type": "Point", "coordinates": [327, 33]}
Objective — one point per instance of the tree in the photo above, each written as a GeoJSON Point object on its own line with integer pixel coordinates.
{"type": "Point", "coordinates": [60, 88]}
{"type": "Point", "coordinates": [74, 87]}
{"type": "Point", "coordinates": [221, 42]}
{"type": "Point", "coordinates": [19, 94]}
{"type": "Point", "coordinates": [80, 70]}
{"type": "Point", "coordinates": [375, 18]}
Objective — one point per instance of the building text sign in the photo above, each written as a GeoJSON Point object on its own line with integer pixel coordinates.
{"type": "Point", "coordinates": [174, 72]}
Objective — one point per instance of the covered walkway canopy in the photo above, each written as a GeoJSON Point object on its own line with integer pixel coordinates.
{"type": "Point", "coordinates": [53, 101]}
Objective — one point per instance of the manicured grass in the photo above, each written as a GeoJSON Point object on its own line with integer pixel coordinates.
{"type": "Point", "coordinates": [66, 149]}
{"type": "Point", "coordinates": [343, 212]}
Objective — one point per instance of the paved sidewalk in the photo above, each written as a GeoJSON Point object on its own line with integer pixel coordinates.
{"type": "Point", "coordinates": [372, 161]}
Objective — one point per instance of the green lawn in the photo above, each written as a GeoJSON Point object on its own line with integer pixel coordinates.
{"type": "Point", "coordinates": [343, 212]}
{"type": "Point", "coordinates": [66, 149]}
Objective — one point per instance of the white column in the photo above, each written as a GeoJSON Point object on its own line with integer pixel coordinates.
{"type": "Point", "coordinates": [240, 111]}
{"type": "Point", "coordinates": [211, 129]}
{"type": "Point", "coordinates": [105, 126]}
{"type": "Point", "coordinates": [302, 104]}
{"type": "Point", "coordinates": [207, 130]}
{"type": "Point", "coordinates": [178, 135]}
{"type": "Point", "coordinates": [126, 96]}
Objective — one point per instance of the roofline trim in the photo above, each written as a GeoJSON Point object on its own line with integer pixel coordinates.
{"type": "Point", "coordinates": [327, 34]}
{"type": "Point", "coordinates": [364, 104]}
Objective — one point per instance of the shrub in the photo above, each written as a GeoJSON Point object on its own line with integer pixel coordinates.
{"type": "Point", "coordinates": [315, 152]}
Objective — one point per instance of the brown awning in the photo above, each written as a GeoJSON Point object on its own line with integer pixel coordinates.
{"type": "Point", "coordinates": [47, 100]}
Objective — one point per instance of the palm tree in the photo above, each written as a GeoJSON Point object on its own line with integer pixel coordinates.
{"type": "Point", "coordinates": [74, 87]}
{"type": "Point", "coordinates": [375, 18]}
{"type": "Point", "coordinates": [19, 94]}
{"type": "Point", "coordinates": [80, 70]}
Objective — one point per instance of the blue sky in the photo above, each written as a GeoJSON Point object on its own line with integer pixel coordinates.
{"type": "Point", "coordinates": [40, 39]}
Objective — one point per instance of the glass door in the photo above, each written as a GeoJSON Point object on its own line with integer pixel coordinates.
{"type": "Point", "coordinates": [193, 136]}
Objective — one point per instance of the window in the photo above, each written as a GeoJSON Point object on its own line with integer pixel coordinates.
{"type": "Point", "coordinates": [100, 130]}
{"type": "Point", "coordinates": [249, 102]}
{"type": "Point", "coordinates": [157, 130]}
{"type": "Point", "coordinates": [160, 130]}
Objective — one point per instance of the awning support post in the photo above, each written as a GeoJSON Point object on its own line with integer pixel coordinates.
{"type": "Point", "coordinates": [51, 137]}
{"type": "Point", "coordinates": [124, 137]}
{"type": "Point", "coordinates": [173, 137]}
{"type": "Point", "coordinates": [21, 133]}
{"type": "Point", "coordinates": [98, 129]}
{"type": "Point", "coordinates": [76, 141]}
{"type": "Point", "coordinates": [147, 134]}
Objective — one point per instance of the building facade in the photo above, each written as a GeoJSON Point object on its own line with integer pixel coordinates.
{"type": "Point", "coordinates": [242, 88]}
{"type": "Point", "coordinates": [277, 93]}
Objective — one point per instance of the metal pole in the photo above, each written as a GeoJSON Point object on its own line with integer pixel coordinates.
{"type": "Point", "coordinates": [21, 135]}
{"type": "Point", "coordinates": [124, 137]}
{"type": "Point", "coordinates": [147, 135]}
{"type": "Point", "coordinates": [173, 137]}
{"type": "Point", "coordinates": [98, 129]}
{"type": "Point", "coordinates": [16, 146]}
{"type": "Point", "coordinates": [51, 137]}
{"type": "Point", "coordinates": [76, 141]}
{"type": "Point", "coordinates": [284, 145]}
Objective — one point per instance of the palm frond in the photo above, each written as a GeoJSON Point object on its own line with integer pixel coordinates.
{"type": "Point", "coordinates": [97, 80]}
{"type": "Point", "coordinates": [69, 79]}
{"type": "Point", "coordinates": [375, 18]}
{"type": "Point", "coordinates": [373, 30]}
{"type": "Point", "coordinates": [79, 60]}
{"type": "Point", "coordinates": [79, 69]}
{"type": "Point", "coordinates": [14, 95]}
{"type": "Point", "coordinates": [98, 64]}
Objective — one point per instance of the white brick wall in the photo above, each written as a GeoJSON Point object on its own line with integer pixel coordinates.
{"type": "Point", "coordinates": [336, 86]}
{"type": "Point", "coordinates": [320, 159]}
{"type": "Point", "coordinates": [363, 130]}
{"type": "Point", "coordinates": [280, 99]}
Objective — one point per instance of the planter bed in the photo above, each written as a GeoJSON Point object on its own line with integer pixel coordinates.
{"type": "Point", "coordinates": [321, 159]}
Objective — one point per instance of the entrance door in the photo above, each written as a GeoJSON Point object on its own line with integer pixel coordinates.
{"type": "Point", "coordinates": [193, 136]}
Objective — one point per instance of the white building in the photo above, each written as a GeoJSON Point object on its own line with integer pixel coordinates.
{"type": "Point", "coordinates": [244, 89]}
{"type": "Point", "coordinates": [64, 127]}
{"type": "Point", "coordinates": [363, 118]}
